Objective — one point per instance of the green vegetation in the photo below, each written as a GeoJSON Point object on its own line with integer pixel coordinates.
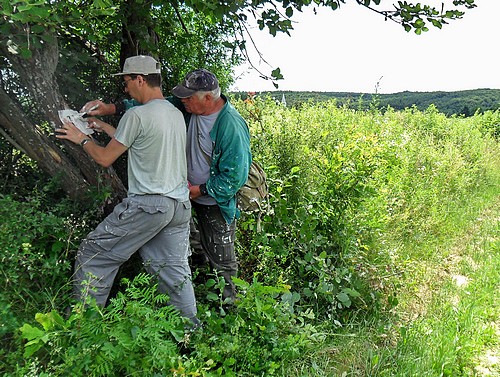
{"type": "Point", "coordinates": [466, 102]}
{"type": "Point", "coordinates": [60, 54]}
{"type": "Point", "coordinates": [380, 256]}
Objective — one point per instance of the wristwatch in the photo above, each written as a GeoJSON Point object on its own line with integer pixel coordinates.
{"type": "Point", "coordinates": [85, 141]}
{"type": "Point", "coordinates": [203, 189]}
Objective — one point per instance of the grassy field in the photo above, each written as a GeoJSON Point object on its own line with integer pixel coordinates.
{"type": "Point", "coordinates": [435, 259]}
{"type": "Point", "coordinates": [379, 255]}
{"type": "Point", "coordinates": [446, 321]}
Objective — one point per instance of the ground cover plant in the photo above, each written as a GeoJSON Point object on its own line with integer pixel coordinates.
{"type": "Point", "coordinates": [351, 270]}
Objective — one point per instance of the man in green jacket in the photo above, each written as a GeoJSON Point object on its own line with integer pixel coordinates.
{"type": "Point", "coordinates": [218, 158]}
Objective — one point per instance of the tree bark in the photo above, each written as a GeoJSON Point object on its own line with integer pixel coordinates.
{"type": "Point", "coordinates": [69, 162]}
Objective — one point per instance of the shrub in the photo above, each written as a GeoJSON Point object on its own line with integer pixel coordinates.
{"type": "Point", "coordinates": [136, 332]}
{"type": "Point", "coordinates": [139, 333]}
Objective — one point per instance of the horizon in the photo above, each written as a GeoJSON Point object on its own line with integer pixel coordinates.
{"type": "Point", "coordinates": [329, 91]}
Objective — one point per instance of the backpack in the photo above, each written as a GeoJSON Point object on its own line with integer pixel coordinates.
{"type": "Point", "coordinates": [253, 194]}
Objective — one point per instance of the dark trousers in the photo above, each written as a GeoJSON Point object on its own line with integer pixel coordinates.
{"type": "Point", "coordinates": [216, 238]}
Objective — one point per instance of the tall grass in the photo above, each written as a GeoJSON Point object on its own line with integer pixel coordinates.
{"type": "Point", "coordinates": [404, 191]}
{"type": "Point", "coordinates": [373, 220]}
{"type": "Point", "coordinates": [453, 329]}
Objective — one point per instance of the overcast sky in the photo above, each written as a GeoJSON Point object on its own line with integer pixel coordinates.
{"type": "Point", "coordinates": [352, 49]}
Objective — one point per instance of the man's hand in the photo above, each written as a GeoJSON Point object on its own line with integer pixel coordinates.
{"type": "Point", "coordinates": [194, 192]}
{"type": "Point", "coordinates": [102, 108]}
{"type": "Point", "coordinates": [68, 131]}
{"type": "Point", "coordinates": [104, 156]}
{"type": "Point", "coordinates": [100, 126]}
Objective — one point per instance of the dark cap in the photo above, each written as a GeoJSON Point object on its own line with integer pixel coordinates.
{"type": "Point", "coordinates": [199, 80]}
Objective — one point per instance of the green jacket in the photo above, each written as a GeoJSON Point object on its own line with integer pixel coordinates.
{"type": "Point", "coordinates": [231, 157]}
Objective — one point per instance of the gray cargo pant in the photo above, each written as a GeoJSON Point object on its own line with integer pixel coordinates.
{"type": "Point", "coordinates": [155, 225]}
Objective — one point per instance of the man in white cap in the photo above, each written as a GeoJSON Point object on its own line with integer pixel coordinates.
{"type": "Point", "coordinates": [154, 218]}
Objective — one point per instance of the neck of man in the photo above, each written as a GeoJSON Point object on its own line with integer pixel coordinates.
{"type": "Point", "coordinates": [215, 106]}
{"type": "Point", "coordinates": [149, 94]}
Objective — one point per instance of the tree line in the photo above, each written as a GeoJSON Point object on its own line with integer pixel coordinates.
{"type": "Point", "coordinates": [465, 103]}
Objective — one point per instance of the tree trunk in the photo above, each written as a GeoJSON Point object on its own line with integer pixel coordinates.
{"type": "Point", "coordinates": [69, 162]}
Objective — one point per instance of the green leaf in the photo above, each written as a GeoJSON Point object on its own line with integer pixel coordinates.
{"type": "Point", "coordinates": [42, 13]}
{"type": "Point", "coordinates": [30, 333]}
{"type": "Point", "coordinates": [26, 53]}
{"type": "Point", "coordinates": [436, 23]}
{"type": "Point", "coordinates": [37, 29]}
{"type": "Point", "coordinates": [344, 299]}
{"type": "Point", "coordinates": [49, 320]}
{"type": "Point", "coordinates": [30, 348]}
{"type": "Point", "coordinates": [276, 74]}
{"type": "Point", "coordinates": [4, 29]}
{"type": "Point", "coordinates": [104, 3]}
{"type": "Point", "coordinates": [178, 335]}
{"type": "Point", "coordinates": [45, 320]}
{"type": "Point", "coordinates": [6, 8]}
{"type": "Point", "coordinates": [134, 331]}
{"type": "Point", "coordinates": [210, 283]}
{"type": "Point", "coordinates": [212, 297]}
{"type": "Point", "coordinates": [351, 292]}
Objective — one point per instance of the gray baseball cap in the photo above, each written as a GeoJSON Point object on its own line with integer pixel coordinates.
{"type": "Point", "coordinates": [199, 80]}
{"type": "Point", "coordinates": [140, 65]}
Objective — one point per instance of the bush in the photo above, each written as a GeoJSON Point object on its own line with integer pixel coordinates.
{"type": "Point", "coordinates": [139, 333]}
{"type": "Point", "coordinates": [37, 247]}
{"type": "Point", "coordinates": [340, 178]}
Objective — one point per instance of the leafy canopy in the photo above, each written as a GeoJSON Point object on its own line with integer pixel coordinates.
{"type": "Point", "coordinates": [218, 28]}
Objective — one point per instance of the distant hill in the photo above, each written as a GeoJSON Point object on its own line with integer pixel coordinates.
{"type": "Point", "coordinates": [465, 102]}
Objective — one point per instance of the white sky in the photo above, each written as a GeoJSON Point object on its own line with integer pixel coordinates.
{"type": "Point", "coordinates": [352, 48]}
